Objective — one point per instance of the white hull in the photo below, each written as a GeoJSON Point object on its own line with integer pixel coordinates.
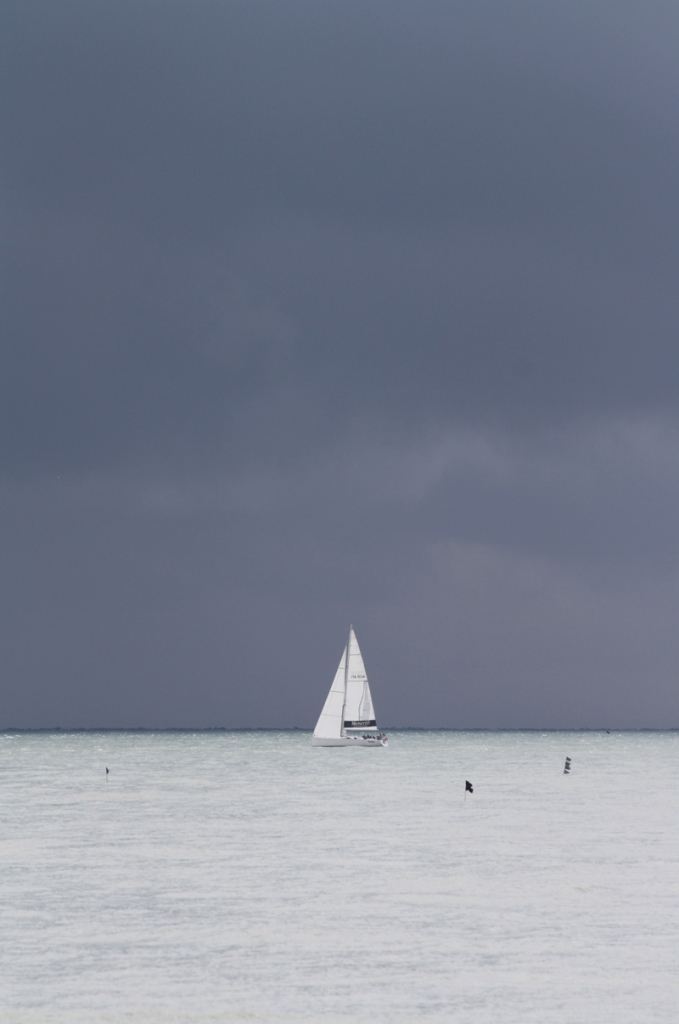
{"type": "Point", "coordinates": [351, 741]}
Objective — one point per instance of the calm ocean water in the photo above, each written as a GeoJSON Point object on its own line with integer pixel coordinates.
{"type": "Point", "coordinates": [224, 877]}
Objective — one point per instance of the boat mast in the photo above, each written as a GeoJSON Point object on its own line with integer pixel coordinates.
{"type": "Point", "coordinates": [346, 679]}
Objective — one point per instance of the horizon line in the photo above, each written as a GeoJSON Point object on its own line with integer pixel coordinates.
{"type": "Point", "coordinates": [297, 728]}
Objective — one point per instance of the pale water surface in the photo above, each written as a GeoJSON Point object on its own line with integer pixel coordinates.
{"type": "Point", "coordinates": [250, 877]}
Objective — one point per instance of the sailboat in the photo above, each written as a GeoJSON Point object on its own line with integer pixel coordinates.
{"type": "Point", "coordinates": [348, 716]}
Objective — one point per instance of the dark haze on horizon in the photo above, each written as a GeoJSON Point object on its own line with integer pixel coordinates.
{"type": "Point", "coordinates": [319, 313]}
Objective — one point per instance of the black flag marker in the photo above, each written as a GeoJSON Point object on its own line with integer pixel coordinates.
{"type": "Point", "coordinates": [567, 766]}
{"type": "Point", "coordinates": [107, 774]}
{"type": "Point", "coordinates": [468, 788]}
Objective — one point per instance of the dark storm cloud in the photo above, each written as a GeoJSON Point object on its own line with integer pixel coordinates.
{"type": "Point", "coordinates": [190, 112]}
{"type": "Point", "coordinates": [310, 311]}
{"type": "Point", "coordinates": [413, 191]}
{"type": "Point", "coordinates": [126, 348]}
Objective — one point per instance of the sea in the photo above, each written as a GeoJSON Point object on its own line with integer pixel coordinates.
{"type": "Point", "coordinates": [248, 876]}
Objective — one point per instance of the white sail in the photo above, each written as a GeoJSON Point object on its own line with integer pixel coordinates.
{"type": "Point", "coordinates": [358, 708]}
{"type": "Point", "coordinates": [348, 715]}
{"type": "Point", "coordinates": [329, 725]}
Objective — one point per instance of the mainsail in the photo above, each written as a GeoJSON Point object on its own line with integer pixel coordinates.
{"type": "Point", "coordinates": [358, 708]}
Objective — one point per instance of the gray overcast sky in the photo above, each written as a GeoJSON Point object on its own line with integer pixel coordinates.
{"type": "Point", "coordinates": [322, 312]}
